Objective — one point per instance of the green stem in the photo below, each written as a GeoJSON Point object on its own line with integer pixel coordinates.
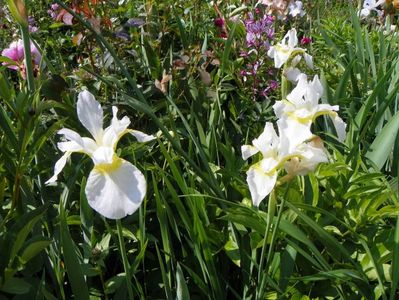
{"type": "Point", "coordinates": [125, 261]}
{"type": "Point", "coordinates": [28, 59]}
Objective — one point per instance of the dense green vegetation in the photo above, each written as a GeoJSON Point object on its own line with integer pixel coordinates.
{"type": "Point", "coordinates": [189, 74]}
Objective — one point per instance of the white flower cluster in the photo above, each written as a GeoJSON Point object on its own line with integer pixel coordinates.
{"type": "Point", "coordinates": [284, 7]}
{"type": "Point", "coordinates": [372, 5]}
{"type": "Point", "coordinates": [295, 148]}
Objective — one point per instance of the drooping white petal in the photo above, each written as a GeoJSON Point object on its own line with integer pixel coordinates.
{"type": "Point", "coordinates": [247, 151]}
{"type": "Point", "coordinates": [117, 192]}
{"type": "Point", "coordinates": [71, 136]}
{"type": "Point", "coordinates": [75, 143]}
{"type": "Point", "coordinates": [260, 183]}
{"type": "Point", "coordinates": [141, 136]}
{"type": "Point", "coordinates": [292, 74]}
{"type": "Point", "coordinates": [90, 114]}
{"type": "Point", "coordinates": [59, 165]}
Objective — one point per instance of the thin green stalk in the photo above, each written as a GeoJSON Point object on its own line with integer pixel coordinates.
{"type": "Point", "coordinates": [270, 215]}
{"type": "Point", "coordinates": [125, 261]}
{"type": "Point", "coordinates": [28, 59]}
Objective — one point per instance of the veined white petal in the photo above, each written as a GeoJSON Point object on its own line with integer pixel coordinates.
{"type": "Point", "coordinates": [103, 155]}
{"type": "Point", "coordinates": [117, 192]}
{"type": "Point", "coordinates": [90, 114]}
{"type": "Point", "coordinates": [59, 165]}
{"type": "Point", "coordinates": [247, 151]}
{"type": "Point", "coordinates": [141, 136]}
{"type": "Point", "coordinates": [260, 183]}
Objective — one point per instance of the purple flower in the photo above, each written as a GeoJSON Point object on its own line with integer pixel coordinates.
{"type": "Point", "coordinates": [32, 24]}
{"type": "Point", "coordinates": [15, 52]}
{"type": "Point", "coordinates": [219, 22]}
{"type": "Point", "coordinates": [135, 22]}
{"type": "Point", "coordinates": [259, 31]}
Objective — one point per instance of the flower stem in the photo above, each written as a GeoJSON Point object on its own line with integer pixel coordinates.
{"type": "Point", "coordinates": [28, 59]}
{"type": "Point", "coordinates": [125, 261]}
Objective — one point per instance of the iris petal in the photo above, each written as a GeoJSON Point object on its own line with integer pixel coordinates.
{"type": "Point", "coordinates": [116, 192]}
{"type": "Point", "coordinates": [260, 183]}
{"type": "Point", "coordinates": [90, 114]}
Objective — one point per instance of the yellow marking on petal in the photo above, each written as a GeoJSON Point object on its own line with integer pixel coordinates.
{"type": "Point", "coordinates": [107, 168]}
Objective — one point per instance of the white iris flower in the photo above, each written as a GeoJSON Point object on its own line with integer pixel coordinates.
{"type": "Point", "coordinates": [282, 52]}
{"type": "Point", "coordinates": [371, 5]}
{"type": "Point", "coordinates": [115, 188]}
{"type": "Point", "coordinates": [262, 176]}
{"type": "Point", "coordinates": [302, 105]}
{"type": "Point", "coordinates": [298, 158]}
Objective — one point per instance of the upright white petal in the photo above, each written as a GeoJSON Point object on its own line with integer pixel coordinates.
{"type": "Point", "coordinates": [116, 130]}
{"type": "Point", "coordinates": [117, 192]}
{"type": "Point", "coordinates": [90, 114]}
{"type": "Point", "coordinates": [292, 38]}
{"type": "Point", "coordinates": [260, 183]}
{"type": "Point", "coordinates": [103, 155]}
{"type": "Point", "coordinates": [309, 60]}
{"type": "Point", "coordinates": [59, 165]}
{"type": "Point", "coordinates": [268, 140]}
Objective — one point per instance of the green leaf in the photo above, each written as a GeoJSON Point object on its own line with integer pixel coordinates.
{"type": "Point", "coordinates": [16, 286]}
{"type": "Point", "coordinates": [181, 290]}
{"type": "Point", "coordinates": [72, 264]}
{"type": "Point", "coordinates": [35, 246]}
{"type": "Point", "coordinates": [383, 144]}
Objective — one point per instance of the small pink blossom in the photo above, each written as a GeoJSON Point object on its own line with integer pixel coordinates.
{"type": "Point", "coordinates": [15, 52]}
{"type": "Point", "coordinates": [306, 40]}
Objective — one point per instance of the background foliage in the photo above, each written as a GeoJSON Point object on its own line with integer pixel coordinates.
{"type": "Point", "coordinates": [331, 234]}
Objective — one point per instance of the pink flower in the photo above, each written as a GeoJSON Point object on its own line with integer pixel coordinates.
{"type": "Point", "coordinates": [15, 52]}
{"type": "Point", "coordinates": [306, 40]}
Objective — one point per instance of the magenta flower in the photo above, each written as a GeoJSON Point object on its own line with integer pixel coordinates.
{"type": "Point", "coordinates": [306, 40]}
{"type": "Point", "coordinates": [15, 52]}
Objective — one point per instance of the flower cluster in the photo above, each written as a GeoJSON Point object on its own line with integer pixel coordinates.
{"type": "Point", "coordinates": [259, 34]}
{"type": "Point", "coordinates": [15, 52]}
{"type": "Point", "coordinates": [371, 5]}
{"type": "Point", "coordinates": [115, 188]}
{"type": "Point", "coordinates": [282, 8]}
{"type": "Point", "coordinates": [295, 148]}
{"type": "Point", "coordinates": [286, 52]}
